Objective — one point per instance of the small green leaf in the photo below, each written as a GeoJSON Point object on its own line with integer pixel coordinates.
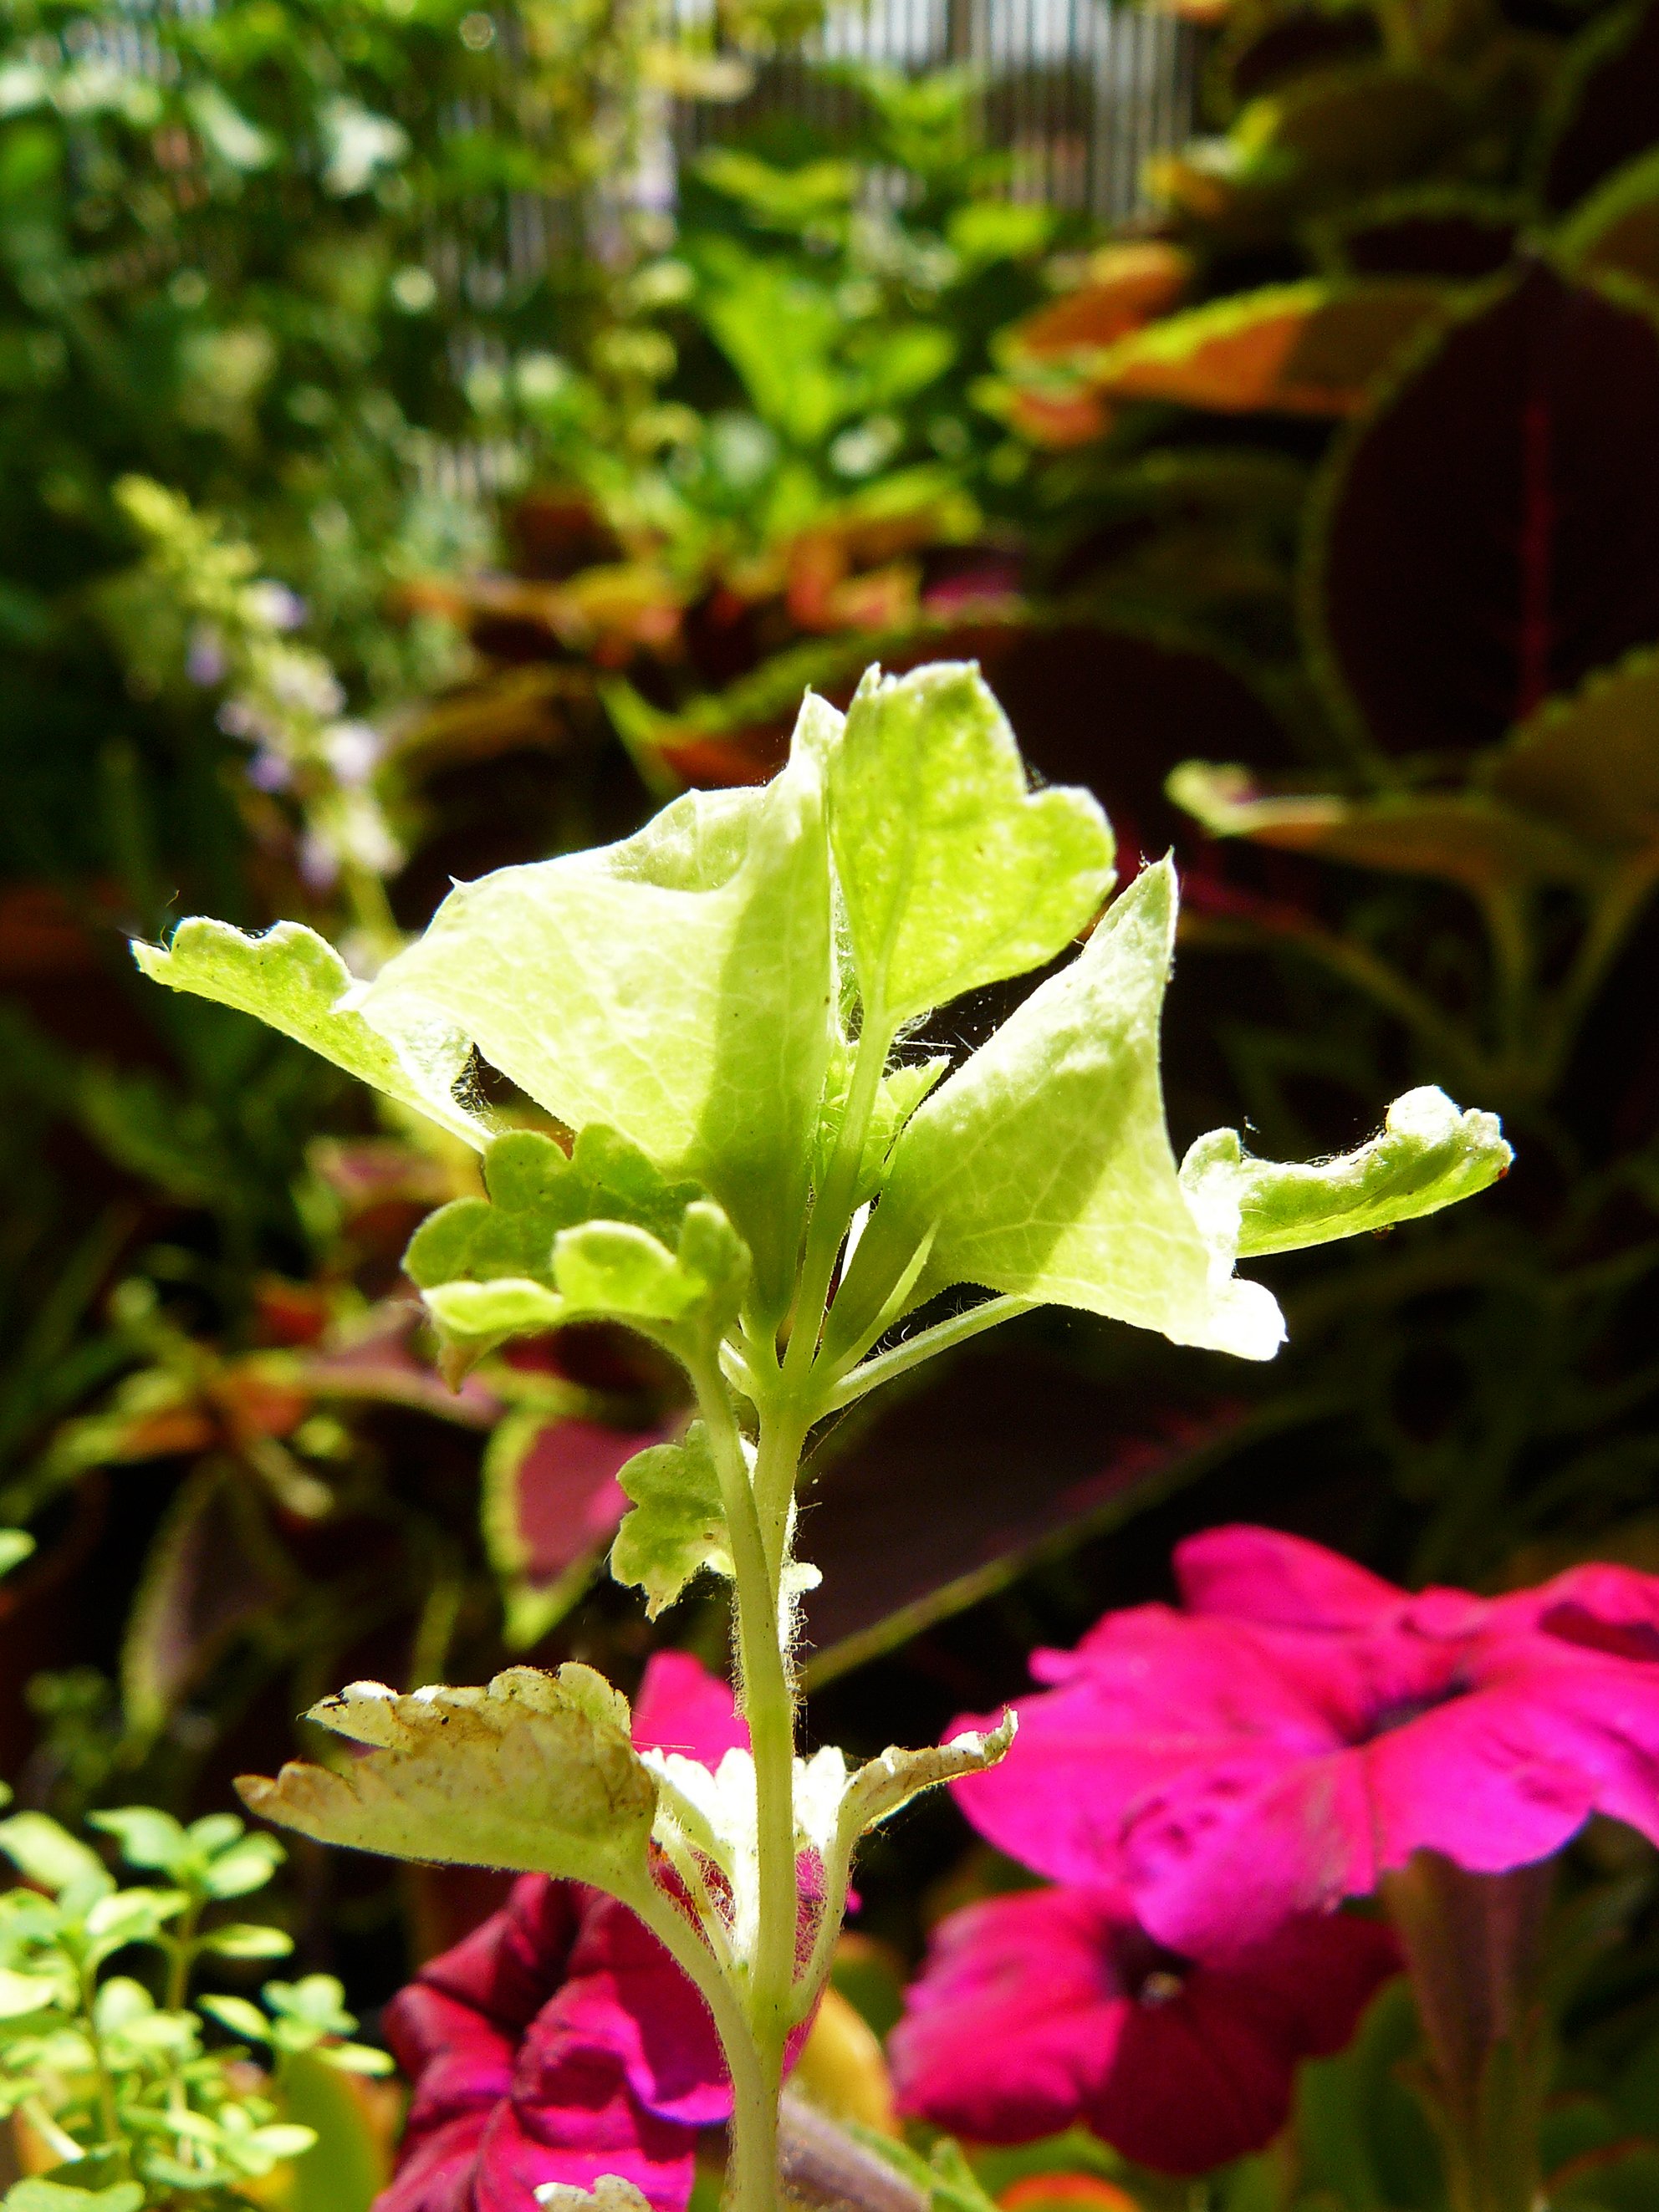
{"type": "Point", "coordinates": [130, 1915]}
{"type": "Point", "coordinates": [148, 1838]}
{"type": "Point", "coordinates": [536, 1773]}
{"type": "Point", "coordinates": [15, 1546]}
{"type": "Point", "coordinates": [49, 1856]}
{"type": "Point", "coordinates": [247, 1939]}
{"type": "Point", "coordinates": [1043, 1166]}
{"type": "Point", "coordinates": [38, 2194]}
{"type": "Point", "coordinates": [678, 1526]}
{"type": "Point", "coordinates": [535, 1190]}
{"type": "Point", "coordinates": [244, 1867]}
{"type": "Point", "coordinates": [296, 981]}
{"type": "Point", "coordinates": [533, 1255]}
{"type": "Point", "coordinates": [675, 987]}
{"type": "Point", "coordinates": [236, 2014]}
{"type": "Point", "coordinates": [23, 1993]}
{"type": "Point", "coordinates": [953, 873]}
{"type": "Point", "coordinates": [1430, 1154]}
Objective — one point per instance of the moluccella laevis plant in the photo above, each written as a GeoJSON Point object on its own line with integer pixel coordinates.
{"type": "Point", "coordinates": [764, 1182]}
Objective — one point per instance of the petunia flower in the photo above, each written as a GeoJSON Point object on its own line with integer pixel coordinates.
{"type": "Point", "coordinates": [1052, 2006]}
{"type": "Point", "coordinates": [559, 2041]}
{"type": "Point", "coordinates": [1304, 1727]}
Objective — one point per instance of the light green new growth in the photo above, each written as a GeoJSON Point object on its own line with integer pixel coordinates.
{"type": "Point", "coordinates": [717, 1009]}
{"type": "Point", "coordinates": [678, 1526]}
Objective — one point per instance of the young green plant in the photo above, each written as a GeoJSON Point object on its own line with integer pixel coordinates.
{"type": "Point", "coordinates": [766, 1179]}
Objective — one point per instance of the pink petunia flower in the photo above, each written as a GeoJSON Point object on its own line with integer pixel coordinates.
{"type": "Point", "coordinates": [559, 2041]}
{"type": "Point", "coordinates": [1052, 2006]}
{"type": "Point", "coordinates": [1304, 1727]}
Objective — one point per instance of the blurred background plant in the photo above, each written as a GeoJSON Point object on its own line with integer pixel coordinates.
{"type": "Point", "coordinates": [429, 436]}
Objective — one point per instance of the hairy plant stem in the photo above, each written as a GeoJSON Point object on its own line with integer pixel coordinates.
{"type": "Point", "coordinates": [789, 1395]}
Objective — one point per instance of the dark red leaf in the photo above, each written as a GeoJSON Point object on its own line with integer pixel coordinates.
{"type": "Point", "coordinates": [950, 1489]}
{"type": "Point", "coordinates": [1491, 526]}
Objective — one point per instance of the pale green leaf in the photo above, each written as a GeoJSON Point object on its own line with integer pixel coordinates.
{"type": "Point", "coordinates": [1043, 1166]}
{"type": "Point", "coordinates": [47, 1854]}
{"type": "Point", "coordinates": [677, 1527]}
{"type": "Point", "coordinates": [675, 987]}
{"type": "Point", "coordinates": [610, 2193]}
{"type": "Point", "coordinates": [23, 1993]}
{"type": "Point", "coordinates": [881, 1787]}
{"type": "Point", "coordinates": [1430, 1154]}
{"type": "Point", "coordinates": [244, 1867]}
{"type": "Point", "coordinates": [953, 873]}
{"type": "Point", "coordinates": [15, 1545]}
{"type": "Point", "coordinates": [296, 981]}
{"type": "Point", "coordinates": [536, 1773]}
{"type": "Point", "coordinates": [474, 1317]}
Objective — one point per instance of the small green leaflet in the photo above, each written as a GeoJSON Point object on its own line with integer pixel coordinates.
{"type": "Point", "coordinates": [676, 986]}
{"type": "Point", "coordinates": [606, 1270]}
{"type": "Point", "coordinates": [953, 874]}
{"type": "Point", "coordinates": [678, 1526]}
{"type": "Point", "coordinates": [296, 981]}
{"type": "Point", "coordinates": [535, 1191]}
{"type": "Point", "coordinates": [1044, 1169]}
{"type": "Point", "coordinates": [1428, 1155]}
{"type": "Point", "coordinates": [535, 1773]}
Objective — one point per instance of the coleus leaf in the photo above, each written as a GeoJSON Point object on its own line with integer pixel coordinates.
{"type": "Point", "coordinates": [675, 987]}
{"type": "Point", "coordinates": [1043, 1166]}
{"type": "Point", "coordinates": [677, 1525]}
{"type": "Point", "coordinates": [1428, 1155]}
{"type": "Point", "coordinates": [1467, 838]}
{"type": "Point", "coordinates": [1588, 764]}
{"type": "Point", "coordinates": [1606, 103]}
{"type": "Point", "coordinates": [551, 1502]}
{"type": "Point", "coordinates": [535, 1773]}
{"type": "Point", "coordinates": [953, 873]}
{"type": "Point", "coordinates": [1488, 533]}
{"type": "Point", "coordinates": [1309, 348]}
{"type": "Point", "coordinates": [1616, 231]}
{"type": "Point", "coordinates": [295, 981]}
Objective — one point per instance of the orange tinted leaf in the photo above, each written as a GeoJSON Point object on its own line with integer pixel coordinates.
{"type": "Point", "coordinates": [1126, 287]}
{"type": "Point", "coordinates": [1312, 349]}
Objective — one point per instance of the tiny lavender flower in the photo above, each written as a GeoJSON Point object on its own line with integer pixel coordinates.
{"type": "Point", "coordinates": [1303, 1728]}
{"type": "Point", "coordinates": [1054, 2006]}
{"type": "Point", "coordinates": [559, 2041]}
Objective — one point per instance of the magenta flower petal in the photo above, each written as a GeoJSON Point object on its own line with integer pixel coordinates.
{"type": "Point", "coordinates": [682, 1707]}
{"type": "Point", "coordinates": [619, 1997]}
{"type": "Point", "coordinates": [1041, 2010]}
{"type": "Point", "coordinates": [1308, 1726]}
{"type": "Point", "coordinates": [1257, 1574]}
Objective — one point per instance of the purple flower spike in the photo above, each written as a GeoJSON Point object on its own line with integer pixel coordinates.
{"type": "Point", "coordinates": [559, 2041]}
{"type": "Point", "coordinates": [1038, 2010]}
{"type": "Point", "coordinates": [1305, 1727]}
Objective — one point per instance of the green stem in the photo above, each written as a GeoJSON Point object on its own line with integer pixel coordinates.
{"type": "Point", "coordinates": [924, 1346]}
{"type": "Point", "coordinates": [107, 2116]}
{"type": "Point", "coordinates": [768, 1707]}
{"type": "Point", "coordinates": [754, 2096]}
